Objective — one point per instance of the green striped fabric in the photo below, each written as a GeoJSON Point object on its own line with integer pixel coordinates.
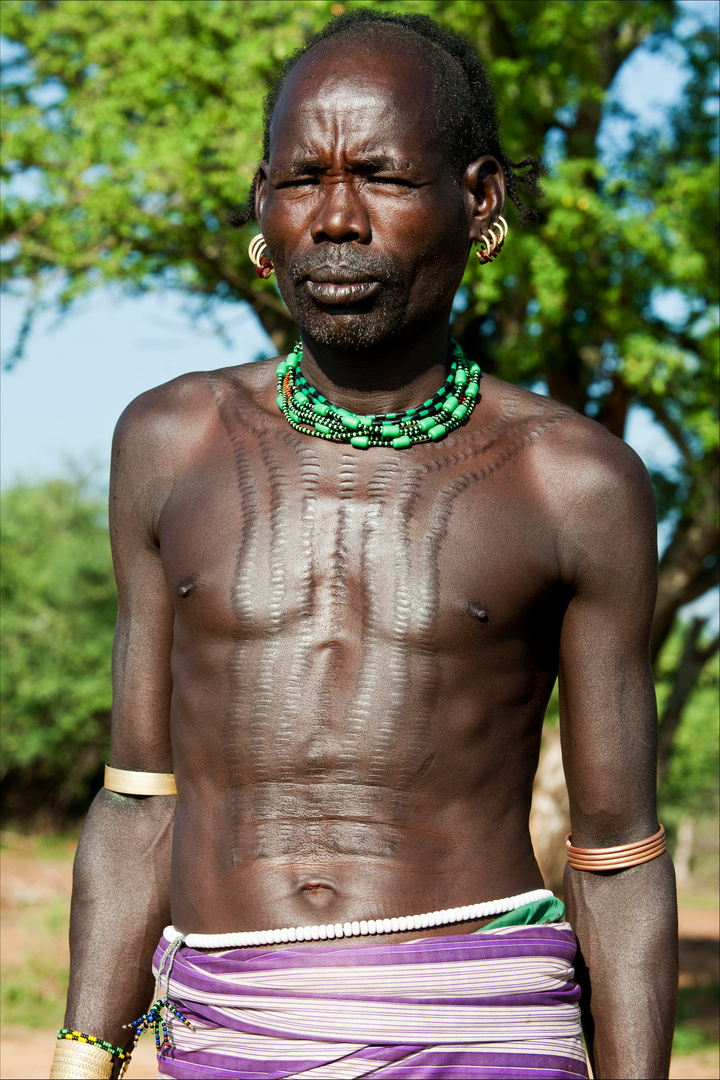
{"type": "Point", "coordinates": [547, 910]}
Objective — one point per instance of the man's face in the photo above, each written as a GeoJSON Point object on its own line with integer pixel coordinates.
{"type": "Point", "coordinates": [364, 217]}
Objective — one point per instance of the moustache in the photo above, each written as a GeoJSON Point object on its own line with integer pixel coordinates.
{"type": "Point", "coordinates": [344, 264]}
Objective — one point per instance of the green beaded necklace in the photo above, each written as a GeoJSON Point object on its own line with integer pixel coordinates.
{"type": "Point", "coordinates": [306, 410]}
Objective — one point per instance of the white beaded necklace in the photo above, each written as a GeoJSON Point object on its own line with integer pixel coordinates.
{"type": "Point", "coordinates": [362, 928]}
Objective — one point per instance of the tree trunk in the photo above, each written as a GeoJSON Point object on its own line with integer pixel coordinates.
{"type": "Point", "coordinates": [568, 384]}
{"type": "Point", "coordinates": [693, 660]}
{"type": "Point", "coordinates": [690, 565]}
{"type": "Point", "coordinates": [269, 308]}
{"type": "Point", "coordinates": [684, 850]}
{"type": "Point", "coordinates": [614, 409]}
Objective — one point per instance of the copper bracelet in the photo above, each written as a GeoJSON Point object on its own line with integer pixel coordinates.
{"type": "Point", "coordinates": [616, 858]}
{"type": "Point", "coordinates": [128, 782]}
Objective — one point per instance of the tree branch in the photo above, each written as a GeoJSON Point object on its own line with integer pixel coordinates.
{"type": "Point", "coordinates": [692, 662]}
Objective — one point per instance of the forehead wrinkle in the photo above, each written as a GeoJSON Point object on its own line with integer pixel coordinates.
{"type": "Point", "coordinates": [347, 103]}
{"type": "Point", "coordinates": [313, 137]}
{"type": "Point", "coordinates": [313, 127]}
{"type": "Point", "coordinates": [363, 121]}
{"type": "Point", "coordinates": [317, 158]}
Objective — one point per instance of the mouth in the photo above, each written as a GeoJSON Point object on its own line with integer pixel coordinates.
{"type": "Point", "coordinates": [340, 287]}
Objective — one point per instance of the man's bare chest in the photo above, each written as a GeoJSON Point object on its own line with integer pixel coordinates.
{"type": "Point", "coordinates": [428, 548]}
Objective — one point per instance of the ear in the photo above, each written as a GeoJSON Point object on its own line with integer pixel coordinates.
{"type": "Point", "coordinates": [484, 193]}
{"type": "Point", "coordinates": [261, 189]}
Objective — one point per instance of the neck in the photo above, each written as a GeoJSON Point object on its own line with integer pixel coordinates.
{"type": "Point", "coordinates": [389, 378]}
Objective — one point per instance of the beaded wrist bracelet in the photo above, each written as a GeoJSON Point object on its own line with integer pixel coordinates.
{"type": "Point", "coordinates": [79, 1036]}
{"type": "Point", "coordinates": [79, 1056]}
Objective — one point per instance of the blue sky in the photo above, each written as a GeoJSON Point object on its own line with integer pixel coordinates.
{"type": "Point", "coordinates": [61, 402]}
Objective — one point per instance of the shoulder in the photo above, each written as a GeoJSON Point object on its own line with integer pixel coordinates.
{"type": "Point", "coordinates": [572, 456]}
{"type": "Point", "coordinates": [588, 486]}
{"type": "Point", "coordinates": [178, 413]}
{"type": "Point", "coordinates": [584, 468]}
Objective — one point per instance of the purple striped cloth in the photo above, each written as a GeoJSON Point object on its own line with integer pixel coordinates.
{"type": "Point", "coordinates": [500, 1003]}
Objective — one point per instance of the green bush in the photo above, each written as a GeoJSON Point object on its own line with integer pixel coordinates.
{"type": "Point", "coordinates": [58, 614]}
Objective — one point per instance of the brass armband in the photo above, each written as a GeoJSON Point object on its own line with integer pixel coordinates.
{"type": "Point", "coordinates": [616, 858]}
{"type": "Point", "coordinates": [81, 1061]}
{"type": "Point", "coordinates": [128, 782]}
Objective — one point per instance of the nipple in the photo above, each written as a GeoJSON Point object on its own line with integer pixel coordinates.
{"type": "Point", "coordinates": [478, 611]}
{"type": "Point", "coordinates": [186, 586]}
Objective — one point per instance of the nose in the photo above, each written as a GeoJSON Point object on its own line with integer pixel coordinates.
{"type": "Point", "coordinates": [341, 216]}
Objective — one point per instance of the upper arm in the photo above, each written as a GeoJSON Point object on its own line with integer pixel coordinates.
{"type": "Point", "coordinates": [607, 549]}
{"type": "Point", "coordinates": [142, 684]}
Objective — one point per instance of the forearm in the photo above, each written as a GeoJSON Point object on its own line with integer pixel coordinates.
{"type": "Point", "coordinates": [626, 925]}
{"type": "Point", "coordinates": [120, 904]}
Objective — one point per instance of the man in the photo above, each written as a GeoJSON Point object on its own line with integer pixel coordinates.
{"type": "Point", "coordinates": [341, 634]}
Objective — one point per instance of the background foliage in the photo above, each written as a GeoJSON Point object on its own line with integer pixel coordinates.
{"type": "Point", "coordinates": [131, 127]}
{"type": "Point", "coordinates": [58, 616]}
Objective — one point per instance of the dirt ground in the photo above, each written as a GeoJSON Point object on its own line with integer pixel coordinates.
{"type": "Point", "coordinates": [34, 895]}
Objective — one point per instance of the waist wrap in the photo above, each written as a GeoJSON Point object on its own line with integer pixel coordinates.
{"type": "Point", "coordinates": [501, 1002]}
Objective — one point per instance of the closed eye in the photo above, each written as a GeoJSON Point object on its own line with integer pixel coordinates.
{"type": "Point", "coordinates": [313, 179]}
{"type": "Point", "coordinates": [397, 180]}
{"type": "Point", "coordinates": [300, 181]}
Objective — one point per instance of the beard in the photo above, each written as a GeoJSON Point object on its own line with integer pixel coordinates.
{"type": "Point", "coordinates": [381, 319]}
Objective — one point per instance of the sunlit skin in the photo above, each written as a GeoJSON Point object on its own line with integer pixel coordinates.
{"type": "Point", "coordinates": [345, 656]}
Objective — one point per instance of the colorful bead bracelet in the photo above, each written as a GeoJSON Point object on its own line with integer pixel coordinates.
{"type": "Point", "coordinates": [103, 1044]}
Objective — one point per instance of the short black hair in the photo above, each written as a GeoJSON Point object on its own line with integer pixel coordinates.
{"type": "Point", "coordinates": [468, 106]}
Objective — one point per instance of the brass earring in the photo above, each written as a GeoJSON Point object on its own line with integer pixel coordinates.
{"type": "Point", "coordinates": [263, 263]}
{"type": "Point", "coordinates": [484, 256]}
{"type": "Point", "coordinates": [495, 243]}
{"type": "Point", "coordinates": [499, 238]}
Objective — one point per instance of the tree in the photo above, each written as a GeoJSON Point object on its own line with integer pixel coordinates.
{"type": "Point", "coordinates": [58, 615]}
{"type": "Point", "coordinates": [135, 126]}
{"type": "Point", "coordinates": [695, 655]}
{"type": "Point", "coordinates": [688, 677]}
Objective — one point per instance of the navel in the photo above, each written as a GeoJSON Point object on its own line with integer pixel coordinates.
{"type": "Point", "coordinates": [317, 892]}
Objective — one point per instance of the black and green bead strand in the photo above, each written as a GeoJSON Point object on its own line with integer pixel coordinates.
{"type": "Point", "coordinates": [449, 384]}
{"type": "Point", "coordinates": [91, 1040]}
{"type": "Point", "coordinates": [307, 411]}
